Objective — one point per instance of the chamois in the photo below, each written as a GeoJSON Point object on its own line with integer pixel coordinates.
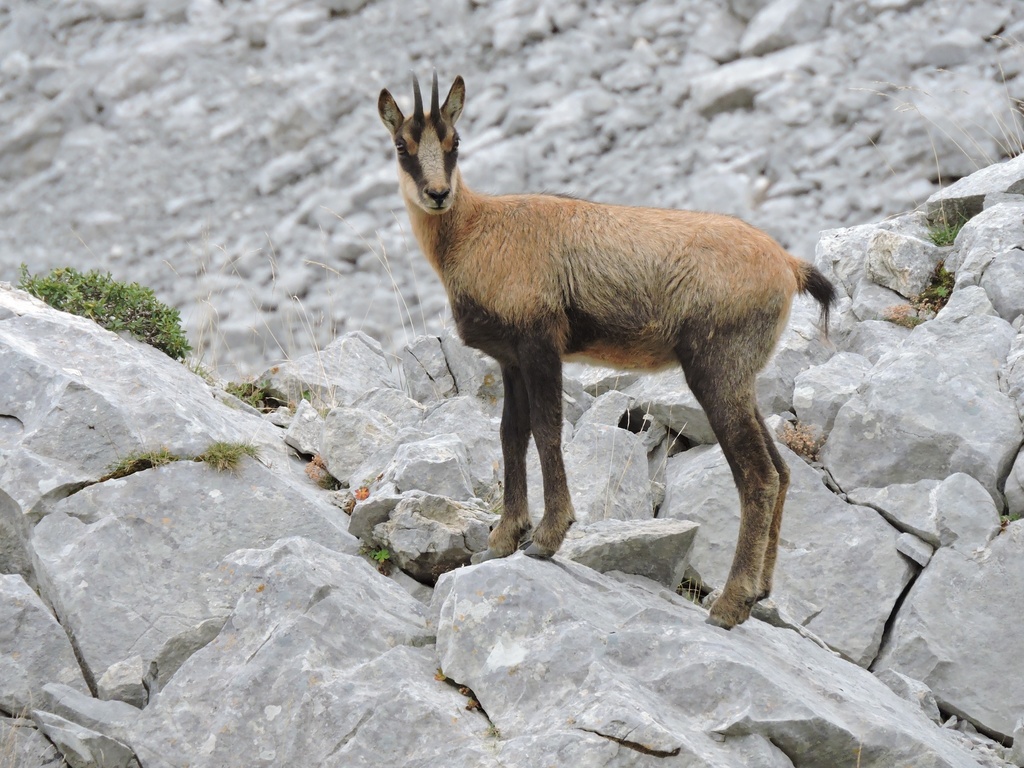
{"type": "Point", "coordinates": [537, 279]}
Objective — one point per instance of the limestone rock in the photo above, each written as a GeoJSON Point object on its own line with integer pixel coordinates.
{"type": "Point", "coordinates": [82, 747]}
{"type": "Point", "coordinates": [429, 535]}
{"type": "Point", "coordinates": [963, 199]}
{"type": "Point", "coordinates": [665, 397]}
{"type": "Point", "coordinates": [734, 85]}
{"type": "Point", "coordinates": [319, 663]}
{"type": "Point", "coordinates": [900, 262]}
{"type": "Point", "coordinates": [956, 512]}
{"type": "Point", "coordinates": [304, 431]}
{"type": "Point", "coordinates": [838, 573]}
{"type": "Point", "coordinates": [131, 565]}
{"type": "Point", "coordinates": [954, 626]}
{"type": "Point", "coordinates": [34, 649]}
{"type": "Point", "coordinates": [437, 465]}
{"type": "Point", "coordinates": [782, 23]}
{"type": "Point", "coordinates": [953, 418]}
{"type": "Point", "coordinates": [426, 370]}
{"type": "Point", "coordinates": [609, 466]}
{"type": "Point", "coordinates": [351, 436]}
{"type": "Point", "coordinates": [589, 657]}
{"type": "Point", "coordinates": [333, 376]}
{"type": "Point", "coordinates": [656, 549]}
{"type": "Point", "coordinates": [820, 391]}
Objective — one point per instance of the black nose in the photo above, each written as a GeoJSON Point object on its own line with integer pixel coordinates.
{"type": "Point", "coordinates": [440, 196]}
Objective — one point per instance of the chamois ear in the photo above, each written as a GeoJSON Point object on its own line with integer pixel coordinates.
{"type": "Point", "coordinates": [389, 112]}
{"type": "Point", "coordinates": [452, 107]}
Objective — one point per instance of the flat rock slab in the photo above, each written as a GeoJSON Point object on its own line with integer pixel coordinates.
{"type": "Point", "coordinates": [131, 565]}
{"type": "Point", "coordinates": [75, 399]}
{"type": "Point", "coordinates": [322, 662]}
{"type": "Point", "coordinates": [839, 572]}
{"type": "Point", "coordinates": [562, 657]}
{"type": "Point", "coordinates": [959, 628]}
{"type": "Point", "coordinates": [34, 649]}
{"type": "Point", "coordinates": [656, 549]}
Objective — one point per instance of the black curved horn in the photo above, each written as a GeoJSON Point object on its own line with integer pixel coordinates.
{"type": "Point", "coordinates": [435, 102]}
{"type": "Point", "coordinates": [417, 113]}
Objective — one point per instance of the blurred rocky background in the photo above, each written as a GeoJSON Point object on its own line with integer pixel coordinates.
{"type": "Point", "coordinates": [229, 154]}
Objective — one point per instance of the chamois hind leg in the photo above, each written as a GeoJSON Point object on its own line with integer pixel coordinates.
{"type": "Point", "coordinates": [515, 437]}
{"type": "Point", "coordinates": [768, 569]}
{"type": "Point", "coordinates": [732, 412]}
{"type": "Point", "coordinates": [543, 375]}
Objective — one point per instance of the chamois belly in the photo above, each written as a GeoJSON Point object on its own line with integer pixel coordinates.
{"type": "Point", "coordinates": [630, 342]}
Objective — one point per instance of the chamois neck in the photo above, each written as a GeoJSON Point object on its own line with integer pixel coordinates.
{"type": "Point", "coordinates": [436, 233]}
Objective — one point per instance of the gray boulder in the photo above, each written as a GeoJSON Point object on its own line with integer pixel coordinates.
{"type": "Point", "coordinates": [34, 649]}
{"type": "Point", "coordinates": [76, 399]}
{"type": "Point", "coordinates": [873, 339]}
{"type": "Point", "coordinates": [783, 23]}
{"type": "Point", "coordinates": [305, 429]}
{"type": "Point", "coordinates": [988, 254]}
{"type": "Point", "coordinates": [838, 573]}
{"type": "Point", "coordinates": [131, 565]}
{"type": "Point", "coordinates": [901, 262]}
{"type": "Point", "coordinates": [1012, 373]}
{"type": "Point", "coordinates": [24, 745]}
{"type": "Point", "coordinates": [584, 670]}
{"type": "Point", "coordinates": [335, 375]}
{"type": "Point", "coordinates": [964, 199]}
{"type": "Point", "coordinates": [1014, 489]}
{"type": "Point", "coordinates": [821, 390]}
{"type": "Point", "coordinates": [610, 474]}
{"type": "Point", "coordinates": [955, 625]}
{"type": "Point", "coordinates": [111, 718]}
{"type": "Point", "coordinates": [937, 404]}
{"type": "Point", "coordinates": [956, 512]}
{"type": "Point", "coordinates": [475, 373]}
{"type": "Point", "coordinates": [655, 549]}
{"type": "Point", "coordinates": [321, 662]}
{"type": "Point", "coordinates": [427, 376]}
{"type": "Point", "coordinates": [429, 535]}
{"type": "Point", "coordinates": [666, 398]}
{"type": "Point", "coordinates": [351, 436]}
{"type": "Point", "coordinates": [83, 747]}
{"type": "Point", "coordinates": [913, 691]}
{"type": "Point", "coordinates": [437, 465]}
{"type": "Point", "coordinates": [467, 418]}
{"type": "Point", "coordinates": [735, 85]}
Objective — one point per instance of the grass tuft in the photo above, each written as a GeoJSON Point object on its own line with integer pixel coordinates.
{"type": "Point", "coordinates": [138, 462]}
{"type": "Point", "coordinates": [224, 456]}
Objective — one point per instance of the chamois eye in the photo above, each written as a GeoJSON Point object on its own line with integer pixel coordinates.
{"type": "Point", "coordinates": [400, 147]}
{"type": "Point", "coordinates": [455, 143]}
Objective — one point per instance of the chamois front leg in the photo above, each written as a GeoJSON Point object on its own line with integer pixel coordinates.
{"type": "Point", "coordinates": [543, 374]}
{"type": "Point", "coordinates": [515, 437]}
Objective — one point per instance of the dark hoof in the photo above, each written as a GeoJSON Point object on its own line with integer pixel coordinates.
{"type": "Point", "coordinates": [483, 557]}
{"type": "Point", "coordinates": [715, 622]}
{"type": "Point", "coordinates": [541, 553]}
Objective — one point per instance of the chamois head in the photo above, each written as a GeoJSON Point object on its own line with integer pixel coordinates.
{"type": "Point", "coordinates": [427, 144]}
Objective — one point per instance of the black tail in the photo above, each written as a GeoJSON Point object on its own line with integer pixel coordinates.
{"type": "Point", "coordinates": [820, 287]}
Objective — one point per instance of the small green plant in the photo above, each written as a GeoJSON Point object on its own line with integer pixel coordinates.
{"type": "Point", "coordinates": [945, 230]}
{"type": "Point", "coordinates": [223, 455]}
{"type": "Point", "coordinates": [380, 556]}
{"type": "Point", "coordinates": [115, 305]}
{"type": "Point", "coordinates": [1005, 520]}
{"type": "Point", "coordinates": [936, 295]}
{"type": "Point", "coordinates": [493, 731]}
{"type": "Point", "coordinates": [137, 462]}
{"type": "Point", "coordinates": [255, 394]}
